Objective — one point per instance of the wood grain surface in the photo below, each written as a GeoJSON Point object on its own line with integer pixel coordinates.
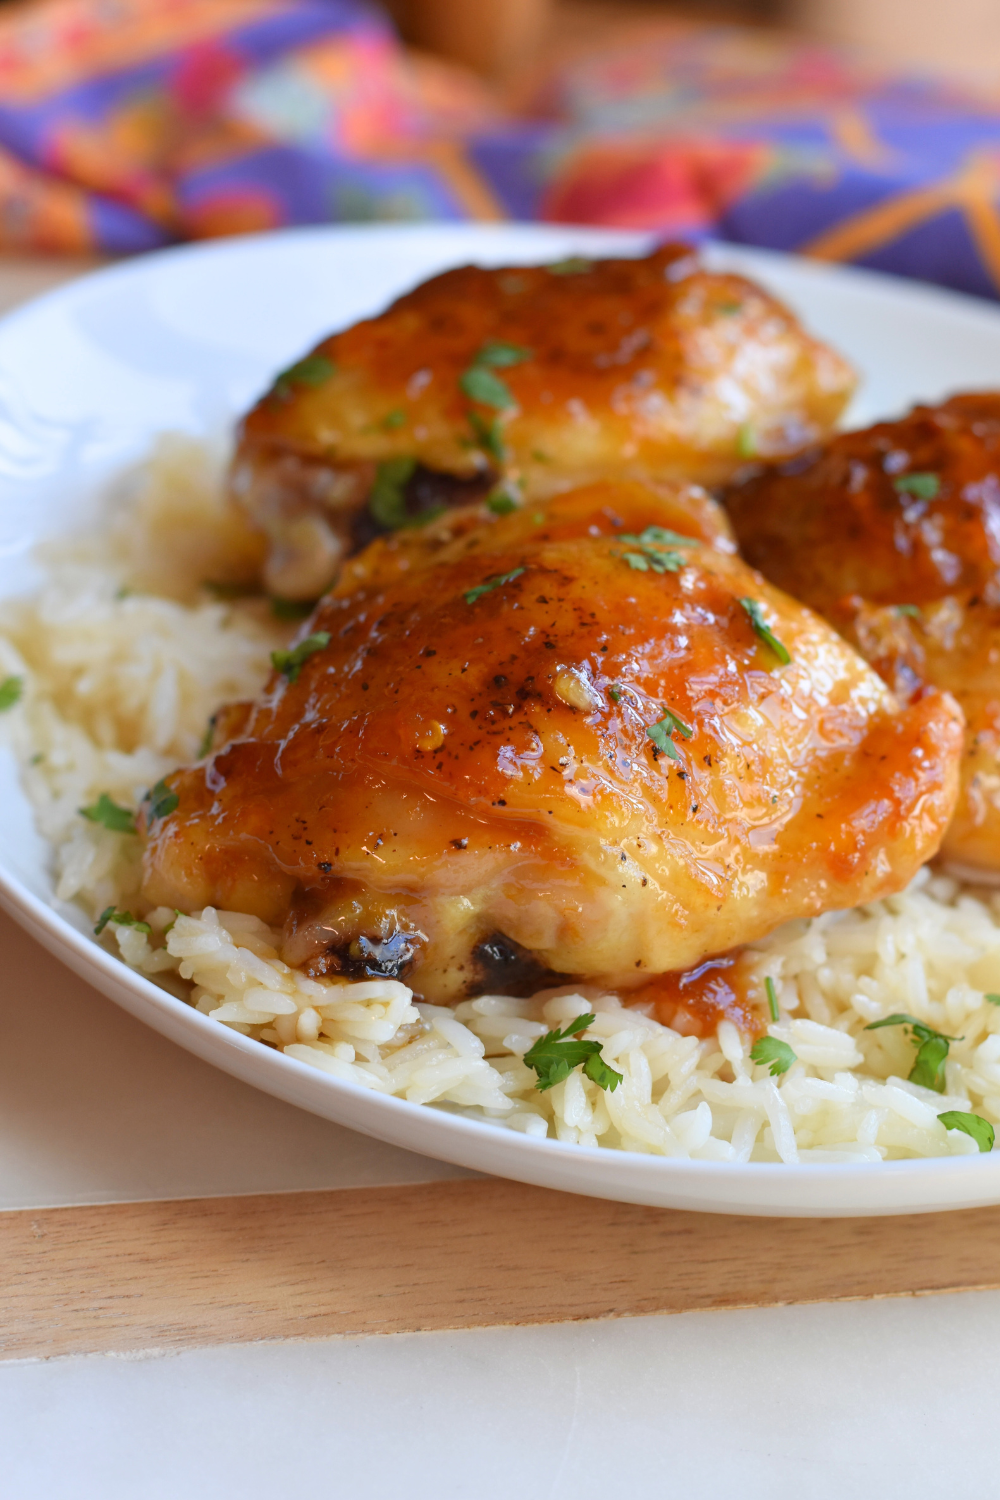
{"type": "Point", "coordinates": [465, 1254]}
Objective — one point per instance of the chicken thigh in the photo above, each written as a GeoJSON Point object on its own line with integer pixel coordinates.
{"type": "Point", "coordinates": [575, 742]}
{"type": "Point", "coordinates": [532, 379]}
{"type": "Point", "coordinates": [894, 535]}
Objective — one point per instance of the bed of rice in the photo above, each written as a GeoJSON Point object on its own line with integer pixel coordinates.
{"type": "Point", "coordinates": [123, 659]}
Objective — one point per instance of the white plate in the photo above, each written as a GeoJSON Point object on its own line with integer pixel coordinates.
{"type": "Point", "coordinates": [184, 340]}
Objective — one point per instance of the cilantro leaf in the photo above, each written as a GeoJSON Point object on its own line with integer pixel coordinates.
{"type": "Point", "coordinates": [661, 739]}
{"type": "Point", "coordinates": [291, 609]}
{"type": "Point", "coordinates": [993, 999]}
{"type": "Point", "coordinates": [746, 441]}
{"type": "Point", "coordinates": [162, 801]}
{"type": "Point", "coordinates": [776, 1056]}
{"type": "Point", "coordinates": [772, 997]}
{"type": "Point", "coordinates": [393, 419]}
{"type": "Point", "coordinates": [657, 562]}
{"type": "Point", "coordinates": [488, 435]}
{"type": "Point", "coordinates": [913, 610]}
{"type": "Point", "coordinates": [480, 384]}
{"type": "Point", "coordinates": [387, 501]}
{"type": "Point", "coordinates": [491, 584]}
{"type": "Point", "coordinates": [10, 692]}
{"type": "Point", "coordinates": [655, 555]}
{"type": "Point", "coordinates": [557, 1053]}
{"type": "Point", "coordinates": [290, 663]}
{"type": "Point", "coordinates": [207, 738]}
{"type": "Point", "coordinates": [225, 589]}
{"type": "Point", "coordinates": [661, 733]}
{"type": "Point", "coordinates": [763, 630]}
{"type": "Point", "coordinates": [116, 819]}
{"type": "Point", "coordinates": [315, 370]}
{"type": "Point", "coordinates": [932, 1049]}
{"type": "Point", "coordinates": [573, 265]}
{"type": "Point", "coordinates": [500, 503]}
{"type": "Point", "coordinates": [928, 1065]}
{"type": "Point", "coordinates": [659, 536]}
{"type": "Point", "coordinates": [602, 1073]}
{"type": "Point", "coordinates": [980, 1130]}
{"type": "Point", "coordinates": [499, 355]}
{"type": "Point", "coordinates": [923, 486]}
{"type": "Point", "coordinates": [120, 919]}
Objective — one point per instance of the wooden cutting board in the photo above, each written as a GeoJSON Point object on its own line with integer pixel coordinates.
{"type": "Point", "coordinates": [456, 1254]}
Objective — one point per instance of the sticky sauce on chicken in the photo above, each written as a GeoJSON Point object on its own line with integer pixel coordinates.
{"type": "Point", "coordinates": [893, 534]}
{"type": "Point", "coordinates": [694, 1001]}
{"type": "Point", "coordinates": [535, 378]}
{"type": "Point", "coordinates": [556, 744]}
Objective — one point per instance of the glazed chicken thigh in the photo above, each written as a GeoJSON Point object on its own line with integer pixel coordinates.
{"type": "Point", "coordinates": [536, 378]}
{"type": "Point", "coordinates": [894, 535]}
{"type": "Point", "coordinates": [583, 742]}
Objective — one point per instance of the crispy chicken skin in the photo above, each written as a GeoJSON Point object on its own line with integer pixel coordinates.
{"type": "Point", "coordinates": [461, 785]}
{"type": "Point", "coordinates": [540, 377]}
{"type": "Point", "coordinates": [894, 535]}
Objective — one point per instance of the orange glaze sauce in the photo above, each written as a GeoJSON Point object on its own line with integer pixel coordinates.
{"type": "Point", "coordinates": [694, 1001]}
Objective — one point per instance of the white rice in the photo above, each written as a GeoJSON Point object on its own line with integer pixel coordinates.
{"type": "Point", "coordinates": [123, 660]}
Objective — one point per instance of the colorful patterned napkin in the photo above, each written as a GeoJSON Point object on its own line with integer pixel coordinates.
{"type": "Point", "coordinates": [126, 124]}
{"type": "Point", "coordinates": [767, 140]}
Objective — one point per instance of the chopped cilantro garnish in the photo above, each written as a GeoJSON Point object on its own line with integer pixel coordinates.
{"type": "Point", "coordinates": [480, 384]}
{"type": "Point", "coordinates": [772, 997]}
{"type": "Point", "coordinates": [644, 562]}
{"type": "Point", "coordinates": [393, 419]}
{"type": "Point", "coordinates": [501, 503]}
{"type": "Point", "coordinates": [776, 1056]}
{"type": "Point", "coordinates": [162, 801]}
{"type": "Point", "coordinates": [660, 733]}
{"type": "Point", "coordinates": [120, 919]}
{"type": "Point", "coordinates": [290, 663]}
{"type": "Point", "coordinates": [488, 435]}
{"type": "Point", "coordinates": [763, 630]}
{"type": "Point", "coordinates": [224, 590]}
{"type": "Point", "coordinates": [207, 738]}
{"type": "Point", "coordinates": [659, 536]}
{"type": "Point", "coordinates": [291, 609]}
{"type": "Point", "coordinates": [491, 584]}
{"type": "Point", "coordinates": [980, 1130]}
{"type": "Point", "coordinates": [116, 819]}
{"type": "Point", "coordinates": [746, 441]}
{"type": "Point", "coordinates": [10, 692]}
{"type": "Point", "coordinates": [923, 486]}
{"type": "Point", "coordinates": [573, 265]}
{"type": "Point", "coordinates": [655, 555]}
{"type": "Point", "coordinates": [387, 501]}
{"type": "Point", "coordinates": [727, 309]}
{"type": "Point", "coordinates": [909, 609]}
{"type": "Point", "coordinates": [557, 1053]}
{"type": "Point", "coordinates": [993, 999]}
{"type": "Point", "coordinates": [313, 371]}
{"type": "Point", "coordinates": [928, 1065]}
{"type": "Point", "coordinates": [615, 693]}
{"type": "Point", "coordinates": [499, 355]}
